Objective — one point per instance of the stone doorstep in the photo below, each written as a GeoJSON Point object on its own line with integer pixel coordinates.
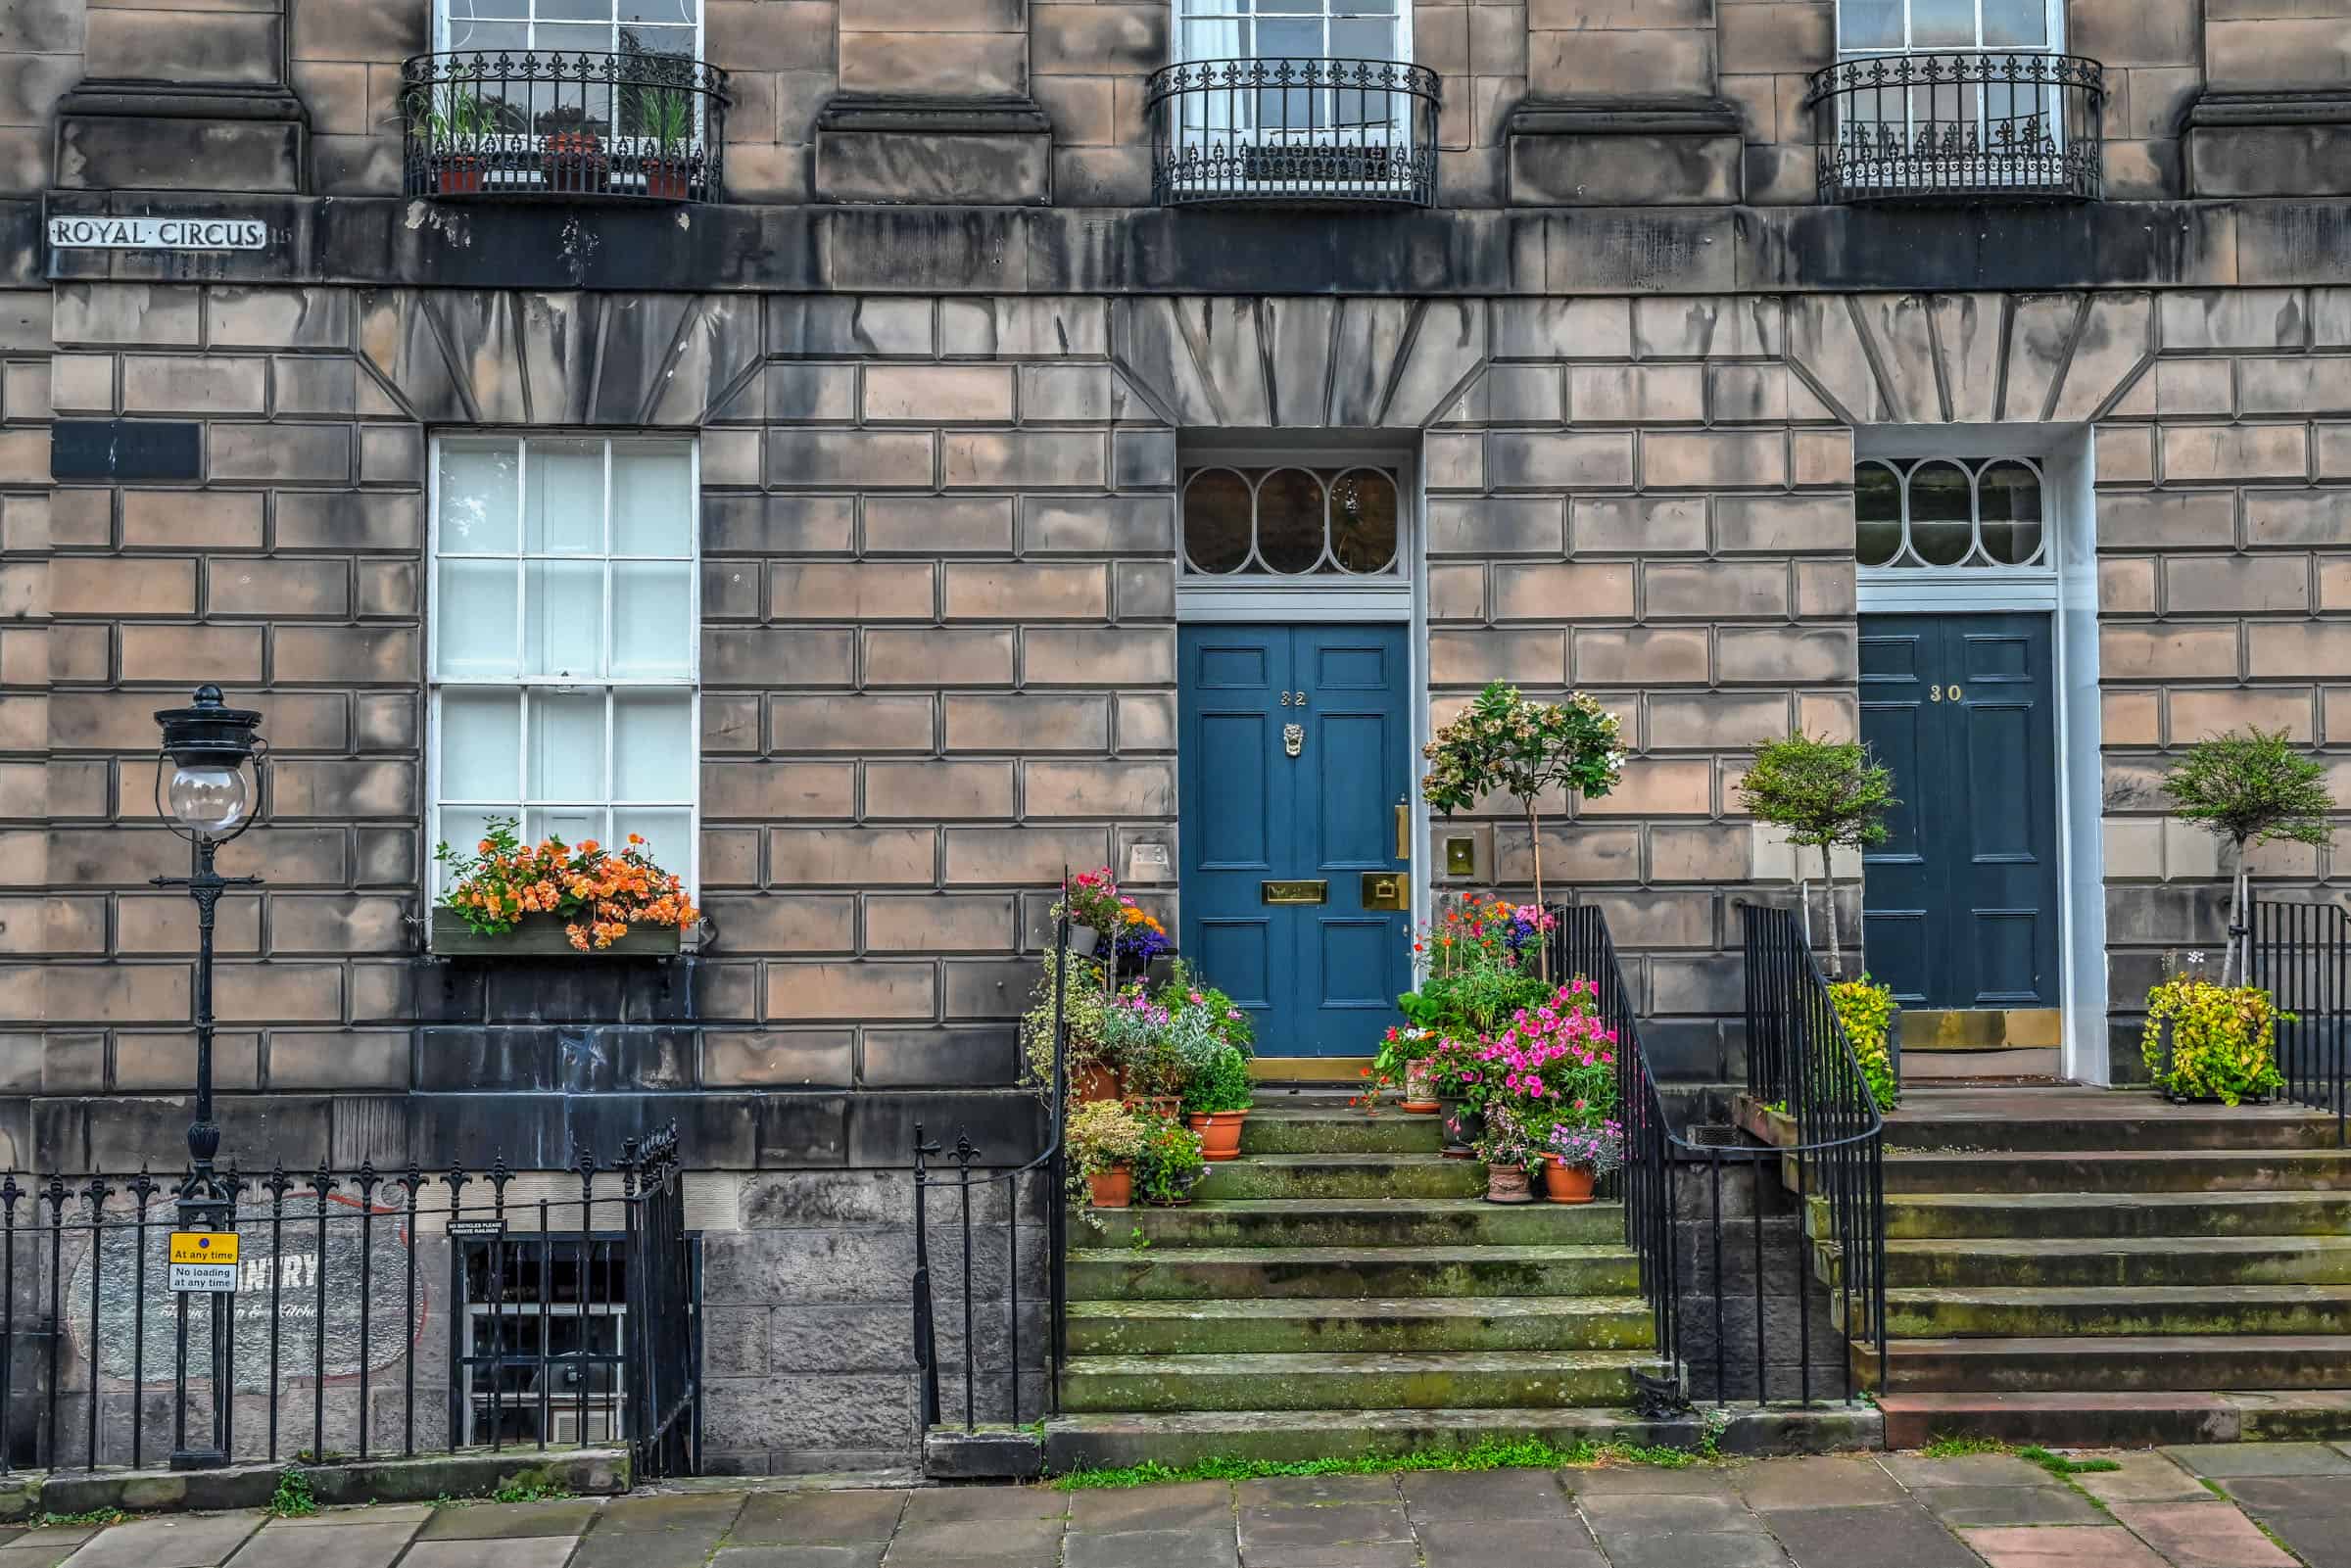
{"type": "Point", "coordinates": [1985, 1028]}
{"type": "Point", "coordinates": [467, 1473]}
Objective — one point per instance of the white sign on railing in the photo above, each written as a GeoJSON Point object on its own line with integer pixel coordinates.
{"type": "Point", "coordinates": [159, 233]}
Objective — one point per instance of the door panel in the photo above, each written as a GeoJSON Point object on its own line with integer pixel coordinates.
{"type": "Point", "coordinates": [1327, 974]}
{"type": "Point", "coordinates": [1961, 899]}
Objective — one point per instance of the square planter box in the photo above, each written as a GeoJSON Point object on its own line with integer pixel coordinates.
{"type": "Point", "coordinates": [542, 937]}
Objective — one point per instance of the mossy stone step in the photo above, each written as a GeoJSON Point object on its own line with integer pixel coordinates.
{"type": "Point", "coordinates": [1075, 1441]}
{"type": "Point", "coordinates": [2123, 1261]}
{"type": "Point", "coordinates": [1377, 1222]}
{"type": "Point", "coordinates": [2104, 1214]}
{"type": "Point", "coordinates": [2157, 1127]}
{"type": "Point", "coordinates": [1435, 1381]}
{"type": "Point", "coordinates": [2119, 1171]}
{"type": "Point", "coordinates": [1338, 1130]}
{"type": "Point", "coordinates": [1345, 1325]}
{"type": "Point", "coordinates": [1343, 1176]}
{"type": "Point", "coordinates": [1197, 1273]}
{"type": "Point", "coordinates": [2109, 1310]}
{"type": "Point", "coordinates": [2120, 1363]}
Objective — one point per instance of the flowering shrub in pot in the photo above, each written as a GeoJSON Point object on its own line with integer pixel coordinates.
{"type": "Point", "coordinates": [1216, 1100]}
{"type": "Point", "coordinates": [1106, 1141]}
{"type": "Point", "coordinates": [513, 897]}
{"type": "Point", "coordinates": [1169, 1163]}
{"type": "Point", "coordinates": [1508, 1149]}
{"type": "Point", "coordinates": [1577, 1157]}
{"type": "Point", "coordinates": [1091, 898]}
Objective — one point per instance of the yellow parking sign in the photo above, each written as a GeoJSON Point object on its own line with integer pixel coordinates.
{"type": "Point", "coordinates": [204, 1246]}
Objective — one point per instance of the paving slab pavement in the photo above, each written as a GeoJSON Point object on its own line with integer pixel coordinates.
{"type": "Point", "coordinates": [2279, 1505]}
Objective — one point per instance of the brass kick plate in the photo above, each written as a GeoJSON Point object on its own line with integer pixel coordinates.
{"type": "Point", "coordinates": [1316, 892]}
{"type": "Point", "coordinates": [1386, 889]}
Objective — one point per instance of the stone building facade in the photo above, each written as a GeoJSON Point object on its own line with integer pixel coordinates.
{"type": "Point", "coordinates": [944, 370]}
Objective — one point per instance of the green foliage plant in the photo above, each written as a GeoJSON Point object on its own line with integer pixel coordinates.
{"type": "Point", "coordinates": [1824, 794]}
{"type": "Point", "coordinates": [1170, 1159]}
{"type": "Point", "coordinates": [1505, 742]}
{"type": "Point", "coordinates": [1100, 1135]}
{"type": "Point", "coordinates": [2245, 789]}
{"type": "Point", "coordinates": [1486, 1454]}
{"type": "Point", "coordinates": [1866, 1009]}
{"type": "Point", "coordinates": [2222, 1040]}
{"type": "Point", "coordinates": [1083, 1009]}
{"type": "Point", "coordinates": [1223, 1085]}
{"type": "Point", "coordinates": [293, 1498]}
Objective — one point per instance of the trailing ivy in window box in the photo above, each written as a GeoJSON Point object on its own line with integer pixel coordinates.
{"type": "Point", "coordinates": [551, 897]}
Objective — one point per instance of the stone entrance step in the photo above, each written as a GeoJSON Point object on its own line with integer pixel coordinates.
{"type": "Point", "coordinates": [1197, 1273]}
{"type": "Point", "coordinates": [2117, 1363]}
{"type": "Point", "coordinates": [1347, 1176]}
{"type": "Point", "coordinates": [1335, 1127]}
{"type": "Point", "coordinates": [1375, 1223]}
{"type": "Point", "coordinates": [2196, 1310]}
{"type": "Point", "coordinates": [2290, 1213]}
{"type": "Point", "coordinates": [2138, 1420]}
{"type": "Point", "coordinates": [1383, 1325]}
{"type": "Point", "coordinates": [2056, 1261]}
{"type": "Point", "coordinates": [1359, 1381]}
{"type": "Point", "coordinates": [2060, 1170]}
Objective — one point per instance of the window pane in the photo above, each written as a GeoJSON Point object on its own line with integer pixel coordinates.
{"type": "Point", "coordinates": [652, 745]}
{"type": "Point", "coordinates": [653, 499]}
{"type": "Point", "coordinates": [491, 39]}
{"type": "Point", "coordinates": [1289, 520]}
{"type": "Point", "coordinates": [478, 498]}
{"type": "Point", "coordinates": [573, 38]}
{"type": "Point", "coordinates": [1216, 521]}
{"type": "Point", "coordinates": [1362, 520]}
{"type": "Point", "coordinates": [1877, 516]}
{"type": "Point", "coordinates": [2012, 22]}
{"type": "Point", "coordinates": [564, 605]}
{"type": "Point", "coordinates": [473, 611]}
{"type": "Point", "coordinates": [575, 9]}
{"type": "Point", "coordinates": [1367, 38]}
{"type": "Point", "coordinates": [676, 43]}
{"type": "Point", "coordinates": [567, 746]}
{"type": "Point", "coordinates": [664, 833]}
{"type": "Point", "coordinates": [1289, 40]}
{"type": "Point", "coordinates": [565, 501]}
{"type": "Point", "coordinates": [1942, 525]}
{"type": "Point", "coordinates": [574, 825]}
{"type": "Point", "coordinates": [462, 829]}
{"type": "Point", "coordinates": [481, 745]}
{"type": "Point", "coordinates": [2008, 498]}
{"type": "Point", "coordinates": [1869, 25]}
{"type": "Point", "coordinates": [652, 617]}
{"type": "Point", "coordinates": [676, 11]}
{"type": "Point", "coordinates": [1937, 22]}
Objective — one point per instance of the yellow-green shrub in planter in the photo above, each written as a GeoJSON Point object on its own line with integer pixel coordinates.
{"type": "Point", "coordinates": [1868, 1012]}
{"type": "Point", "coordinates": [2211, 1042]}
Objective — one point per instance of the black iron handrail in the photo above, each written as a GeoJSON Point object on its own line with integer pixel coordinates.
{"type": "Point", "coordinates": [521, 127]}
{"type": "Point", "coordinates": [2301, 954]}
{"type": "Point", "coordinates": [1285, 129]}
{"type": "Point", "coordinates": [1679, 1214]}
{"type": "Point", "coordinates": [965, 1155]}
{"type": "Point", "coordinates": [1976, 125]}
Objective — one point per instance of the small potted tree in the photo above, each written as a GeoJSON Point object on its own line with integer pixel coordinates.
{"type": "Point", "coordinates": [2245, 790]}
{"type": "Point", "coordinates": [1105, 1142]}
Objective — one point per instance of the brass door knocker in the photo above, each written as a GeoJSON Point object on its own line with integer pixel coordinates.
{"type": "Point", "coordinates": [1293, 739]}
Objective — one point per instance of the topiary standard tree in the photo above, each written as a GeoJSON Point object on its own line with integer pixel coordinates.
{"type": "Point", "coordinates": [1825, 794]}
{"type": "Point", "coordinates": [2250, 788]}
{"type": "Point", "coordinates": [1503, 742]}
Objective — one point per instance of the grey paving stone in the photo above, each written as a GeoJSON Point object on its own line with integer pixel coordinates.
{"type": "Point", "coordinates": [1333, 1524]}
{"type": "Point", "coordinates": [959, 1540]}
{"type": "Point", "coordinates": [494, 1551]}
{"type": "Point", "coordinates": [1656, 1515]}
{"type": "Point", "coordinates": [1974, 1506]}
{"type": "Point", "coordinates": [2222, 1460]}
{"type": "Point", "coordinates": [41, 1555]}
{"type": "Point", "coordinates": [1302, 1490]}
{"type": "Point", "coordinates": [852, 1555]}
{"type": "Point", "coordinates": [505, 1521]}
{"type": "Point", "coordinates": [1486, 1495]}
{"type": "Point", "coordinates": [657, 1515]}
{"type": "Point", "coordinates": [1192, 1506]}
{"type": "Point", "coordinates": [1210, 1548]}
{"type": "Point", "coordinates": [1534, 1543]}
{"type": "Point", "coordinates": [2202, 1535]}
{"type": "Point", "coordinates": [939, 1505]}
{"type": "Point", "coordinates": [372, 1513]}
{"type": "Point", "coordinates": [1647, 1481]}
{"type": "Point", "coordinates": [1724, 1549]}
{"type": "Point", "coordinates": [796, 1518]}
{"type": "Point", "coordinates": [2286, 1493]}
{"type": "Point", "coordinates": [1915, 1470]}
{"type": "Point", "coordinates": [1872, 1537]}
{"type": "Point", "coordinates": [169, 1541]}
{"type": "Point", "coordinates": [2143, 1478]}
{"type": "Point", "coordinates": [2319, 1540]}
{"type": "Point", "coordinates": [1352, 1554]}
{"type": "Point", "coordinates": [1828, 1481]}
{"type": "Point", "coordinates": [349, 1547]}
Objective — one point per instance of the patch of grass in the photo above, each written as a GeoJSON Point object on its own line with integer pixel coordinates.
{"type": "Point", "coordinates": [96, 1516]}
{"type": "Point", "coordinates": [1954, 1448]}
{"type": "Point", "coordinates": [1487, 1453]}
{"type": "Point", "coordinates": [293, 1498]}
{"type": "Point", "coordinates": [2056, 1464]}
{"type": "Point", "coordinates": [521, 1491]}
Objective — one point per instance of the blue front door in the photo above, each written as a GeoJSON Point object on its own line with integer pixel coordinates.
{"type": "Point", "coordinates": [1295, 753]}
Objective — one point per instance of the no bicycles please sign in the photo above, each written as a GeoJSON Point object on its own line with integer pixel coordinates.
{"type": "Point", "coordinates": [203, 1261]}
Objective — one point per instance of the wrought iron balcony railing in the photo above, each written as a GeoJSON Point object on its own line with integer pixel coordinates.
{"type": "Point", "coordinates": [1286, 130]}
{"type": "Point", "coordinates": [502, 127]}
{"type": "Point", "coordinates": [1969, 126]}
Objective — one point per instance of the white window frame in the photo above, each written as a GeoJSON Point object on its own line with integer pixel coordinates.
{"type": "Point", "coordinates": [444, 24]}
{"type": "Point", "coordinates": [687, 864]}
{"type": "Point", "coordinates": [2052, 110]}
{"type": "Point", "coordinates": [1396, 133]}
{"type": "Point", "coordinates": [1985, 583]}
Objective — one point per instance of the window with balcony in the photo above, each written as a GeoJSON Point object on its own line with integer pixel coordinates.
{"type": "Point", "coordinates": [564, 642]}
{"type": "Point", "coordinates": [569, 98]}
{"type": "Point", "coordinates": [1294, 101]}
{"type": "Point", "coordinates": [1970, 99]}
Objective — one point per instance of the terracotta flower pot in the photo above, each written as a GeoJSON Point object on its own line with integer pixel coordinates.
{"type": "Point", "coordinates": [1112, 1188]}
{"type": "Point", "coordinates": [1462, 1129]}
{"type": "Point", "coordinates": [1420, 1088]}
{"type": "Point", "coordinates": [1166, 1107]}
{"type": "Point", "coordinates": [1220, 1133]}
{"type": "Point", "coordinates": [1563, 1183]}
{"type": "Point", "coordinates": [1093, 1083]}
{"type": "Point", "coordinates": [1508, 1184]}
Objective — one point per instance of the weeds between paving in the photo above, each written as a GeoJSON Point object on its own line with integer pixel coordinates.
{"type": "Point", "coordinates": [1488, 1454]}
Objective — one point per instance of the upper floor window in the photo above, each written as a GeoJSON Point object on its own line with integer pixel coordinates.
{"type": "Point", "coordinates": [565, 640]}
{"type": "Point", "coordinates": [1292, 521]}
{"type": "Point", "coordinates": [571, 26]}
{"type": "Point", "coordinates": [1901, 26]}
{"type": "Point", "coordinates": [1950, 513]}
{"type": "Point", "coordinates": [1296, 31]}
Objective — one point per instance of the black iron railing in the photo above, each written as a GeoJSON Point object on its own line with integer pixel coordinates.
{"type": "Point", "coordinates": [568, 1307]}
{"type": "Point", "coordinates": [1977, 126]}
{"type": "Point", "coordinates": [517, 126]}
{"type": "Point", "coordinates": [963, 1179]}
{"type": "Point", "coordinates": [2301, 955]}
{"type": "Point", "coordinates": [1294, 130]}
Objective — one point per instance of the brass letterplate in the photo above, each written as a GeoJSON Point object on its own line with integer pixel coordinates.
{"type": "Point", "coordinates": [1386, 889]}
{"type": "Point", "coordinates": [1316, 892]}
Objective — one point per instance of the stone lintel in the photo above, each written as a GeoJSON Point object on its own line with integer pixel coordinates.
{"type": "Point", "coordinates": [1624, 152]}
{"type": "Point", "coordinates": [880, 148]}
{"type": "Point", "coordinates": [182, 136]}
{"type": "Point", "coordinates": [2269, 142]}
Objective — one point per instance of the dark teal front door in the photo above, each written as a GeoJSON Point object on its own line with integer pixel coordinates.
{"type": "Point", "coordinates": [1961, 900]}
{"type": "Point", "coordinates": [1295, 753]}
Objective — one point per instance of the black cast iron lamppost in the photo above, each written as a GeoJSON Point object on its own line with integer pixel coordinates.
{"type": "Point", "coordinates": [208, 799]}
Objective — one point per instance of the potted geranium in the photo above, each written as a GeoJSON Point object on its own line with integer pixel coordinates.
{"type": "Point", "coordinates": [1404, 1058]}
{"type": "Point", "coordinates": [1216, 1100]}
{"type": "Point", "coordinates": [1461, 1084]}
{"type": "Point", "coordinates": [1169, 1163]}
{"type": "Point", "coordinates": [551, 898]}
{"type": "Point", "coordinates": [1105, 1141]}
{"type": "Point", "coordinates": [1509, 1149]}
{"type": "Point", "coordinates": [1083, 1011]}
{"type": "Point", "coordinates": [1578, 1156]}
{"type": "Point", "coordinates": [1090, 899]}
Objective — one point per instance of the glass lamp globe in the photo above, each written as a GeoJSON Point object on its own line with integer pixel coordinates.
{"type": "Point", "coordinates": [210, 799]}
